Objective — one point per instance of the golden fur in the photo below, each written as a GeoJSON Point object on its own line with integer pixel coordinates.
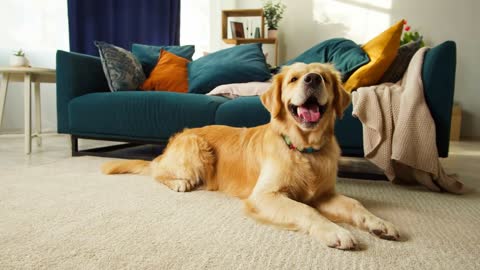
{"type": "Point", "coordinates": [279, 185]}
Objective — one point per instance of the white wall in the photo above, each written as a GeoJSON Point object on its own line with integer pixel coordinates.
{"type": "Point", "coordinates": [201, 24]}
{"type": "Point", "coordinates": [216, 42]}
{"type": "Point", "coordinates": [308, 22]}
{"type": "Point", "coordinates": [195, 16]}
{"type": "Point", "coordinates": [40, 28]}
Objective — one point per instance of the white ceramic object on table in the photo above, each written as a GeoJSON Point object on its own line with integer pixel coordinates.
{"type": "Point", "coordinates": [18, 61]}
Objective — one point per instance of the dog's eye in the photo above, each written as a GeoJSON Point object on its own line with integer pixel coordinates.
{"type": "Point", "coordinates": [294, 79]}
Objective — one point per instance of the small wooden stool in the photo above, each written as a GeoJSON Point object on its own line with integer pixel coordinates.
{"type": "Point", "coordinates": [456, 123]}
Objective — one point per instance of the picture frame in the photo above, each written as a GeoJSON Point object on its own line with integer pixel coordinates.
{"type": "Point", "coordinates": [237, 30]}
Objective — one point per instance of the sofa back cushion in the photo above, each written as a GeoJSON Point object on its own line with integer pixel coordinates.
{"type": "Point", "coordinates": [148, 55]}
{"type": "Point", "coordinates": [345, 54]}
{"type": "Point", "coordinates": [170, 74]}
{"type": "Point", "coordinates": [242, 63]}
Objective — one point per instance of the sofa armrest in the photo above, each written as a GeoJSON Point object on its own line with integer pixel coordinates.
{"type": "Point", "coordinates": [438, 75]}
{"type": "Point", "coordinates": [77, 75]}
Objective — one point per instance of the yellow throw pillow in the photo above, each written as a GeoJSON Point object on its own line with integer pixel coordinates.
{"type": "Point", "coordinates": [382, 50]}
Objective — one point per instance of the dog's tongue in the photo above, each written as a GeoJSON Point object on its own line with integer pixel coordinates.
{"type": "Point", "coordinates": [309, 112]}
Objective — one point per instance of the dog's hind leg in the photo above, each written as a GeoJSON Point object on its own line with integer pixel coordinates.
{"type": "Point", "coordinates": [187, 161]}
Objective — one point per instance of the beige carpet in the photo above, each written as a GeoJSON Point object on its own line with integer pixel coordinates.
{"type": "Point", "coordinates": [66, 215]}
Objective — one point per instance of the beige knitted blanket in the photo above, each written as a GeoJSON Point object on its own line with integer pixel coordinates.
{"type": "Point", "coordinates": [399, 132]}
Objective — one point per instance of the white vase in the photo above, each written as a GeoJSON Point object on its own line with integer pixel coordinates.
{"type": "Point", "coordinates": [18, 61]}
{"type": "Point", "coordinates": [272, 33]}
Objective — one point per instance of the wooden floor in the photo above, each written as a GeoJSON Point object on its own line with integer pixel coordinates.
{"type": "Point", "coordinates": [464, 158]}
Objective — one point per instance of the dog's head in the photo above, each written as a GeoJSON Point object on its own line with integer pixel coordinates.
{"type": "Point", "coordinates": [309, 97]}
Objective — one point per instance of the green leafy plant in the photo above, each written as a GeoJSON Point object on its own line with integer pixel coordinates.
{"type": "Point", "coordinates": [19, 53]}
{"type": "Point", "coordinates": [273, 12]}
{"type": "Point", "coordinates": [409, 36]}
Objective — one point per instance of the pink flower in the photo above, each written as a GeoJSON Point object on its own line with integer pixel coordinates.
{"type": "Point", "coordinates": [404, 21]}
{"type": "Point", "coordinates": [407, 28]}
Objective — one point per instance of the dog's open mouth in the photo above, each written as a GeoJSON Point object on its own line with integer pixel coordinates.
{"type": "Point", "coordinates": [309, 113]}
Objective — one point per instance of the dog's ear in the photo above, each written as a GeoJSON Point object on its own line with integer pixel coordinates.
{"type": "Point", "coordinates": [341, 99]}
{"type": "Point", "coordinates": [272, 98]}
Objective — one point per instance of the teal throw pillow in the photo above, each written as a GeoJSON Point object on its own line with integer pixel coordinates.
{"type": "Point", "coordinates": [239, 64]}
{"type": "Point", "coordinates": [148, 55]}
{"type": "Point", "coordinates": [345, 54]}
{"type": "Point", "coordinates": [122, 70]}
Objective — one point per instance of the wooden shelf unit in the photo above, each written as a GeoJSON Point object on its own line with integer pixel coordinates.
{"type": "Point", "coordinates": [238, 41]}
{"type": "Point", "coordinates": [241, 13]}
{"type": "Point", "coordinates": [247, 13]}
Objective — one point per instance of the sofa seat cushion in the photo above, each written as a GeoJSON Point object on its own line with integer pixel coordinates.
{"type": "Point", "coordinates": [242, 112]}
{"type": "Point", "coordinates": [138, 114]}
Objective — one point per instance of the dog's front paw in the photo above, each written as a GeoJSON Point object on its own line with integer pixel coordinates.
{"type": "Point", "coordinates": [381, 228]}
{"type": "Point", "coordinates": [179, 185]}
{"type": "Point", "coordinates": [341, 239]}
{"type": "Point", "coordinates": [338, 237]}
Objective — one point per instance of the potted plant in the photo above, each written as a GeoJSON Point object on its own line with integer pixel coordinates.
{"type": "Point", "coordinates": [273, 12]}
{"type": "Point", "coordinates": [409, 36]}
{"type": "Point", "coordinates": [18, 59]}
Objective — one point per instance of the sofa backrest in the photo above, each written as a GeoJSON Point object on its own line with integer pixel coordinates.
{"type": "Point", "coordinates": [438, 75]}
{"type": "Point", "coordinates": [77, 75]}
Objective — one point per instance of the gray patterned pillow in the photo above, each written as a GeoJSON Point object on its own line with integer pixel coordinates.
{"type": "Point", "coordinates": [121, 67]}
{"type": "Point", "coordinates": [405, 53]}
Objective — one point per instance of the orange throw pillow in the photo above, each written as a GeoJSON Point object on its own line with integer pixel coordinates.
{"type": "Point", "coordinates": [170, 74]}
{"type": "Point", "coordinates": [382, 50]}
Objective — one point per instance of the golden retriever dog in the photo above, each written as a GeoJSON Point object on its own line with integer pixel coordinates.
{"type": "Point", "coordinates": [285, 171]}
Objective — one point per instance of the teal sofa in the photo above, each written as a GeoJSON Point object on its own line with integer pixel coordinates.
{"type": "Point", "coordinates": [87, 109]}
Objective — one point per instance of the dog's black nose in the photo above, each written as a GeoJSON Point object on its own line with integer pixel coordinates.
{"type": "Point", "coordinates": [312, 79]}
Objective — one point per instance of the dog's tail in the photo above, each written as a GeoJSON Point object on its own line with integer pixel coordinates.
{"type": "Point", "coordinates": [127, 166]}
